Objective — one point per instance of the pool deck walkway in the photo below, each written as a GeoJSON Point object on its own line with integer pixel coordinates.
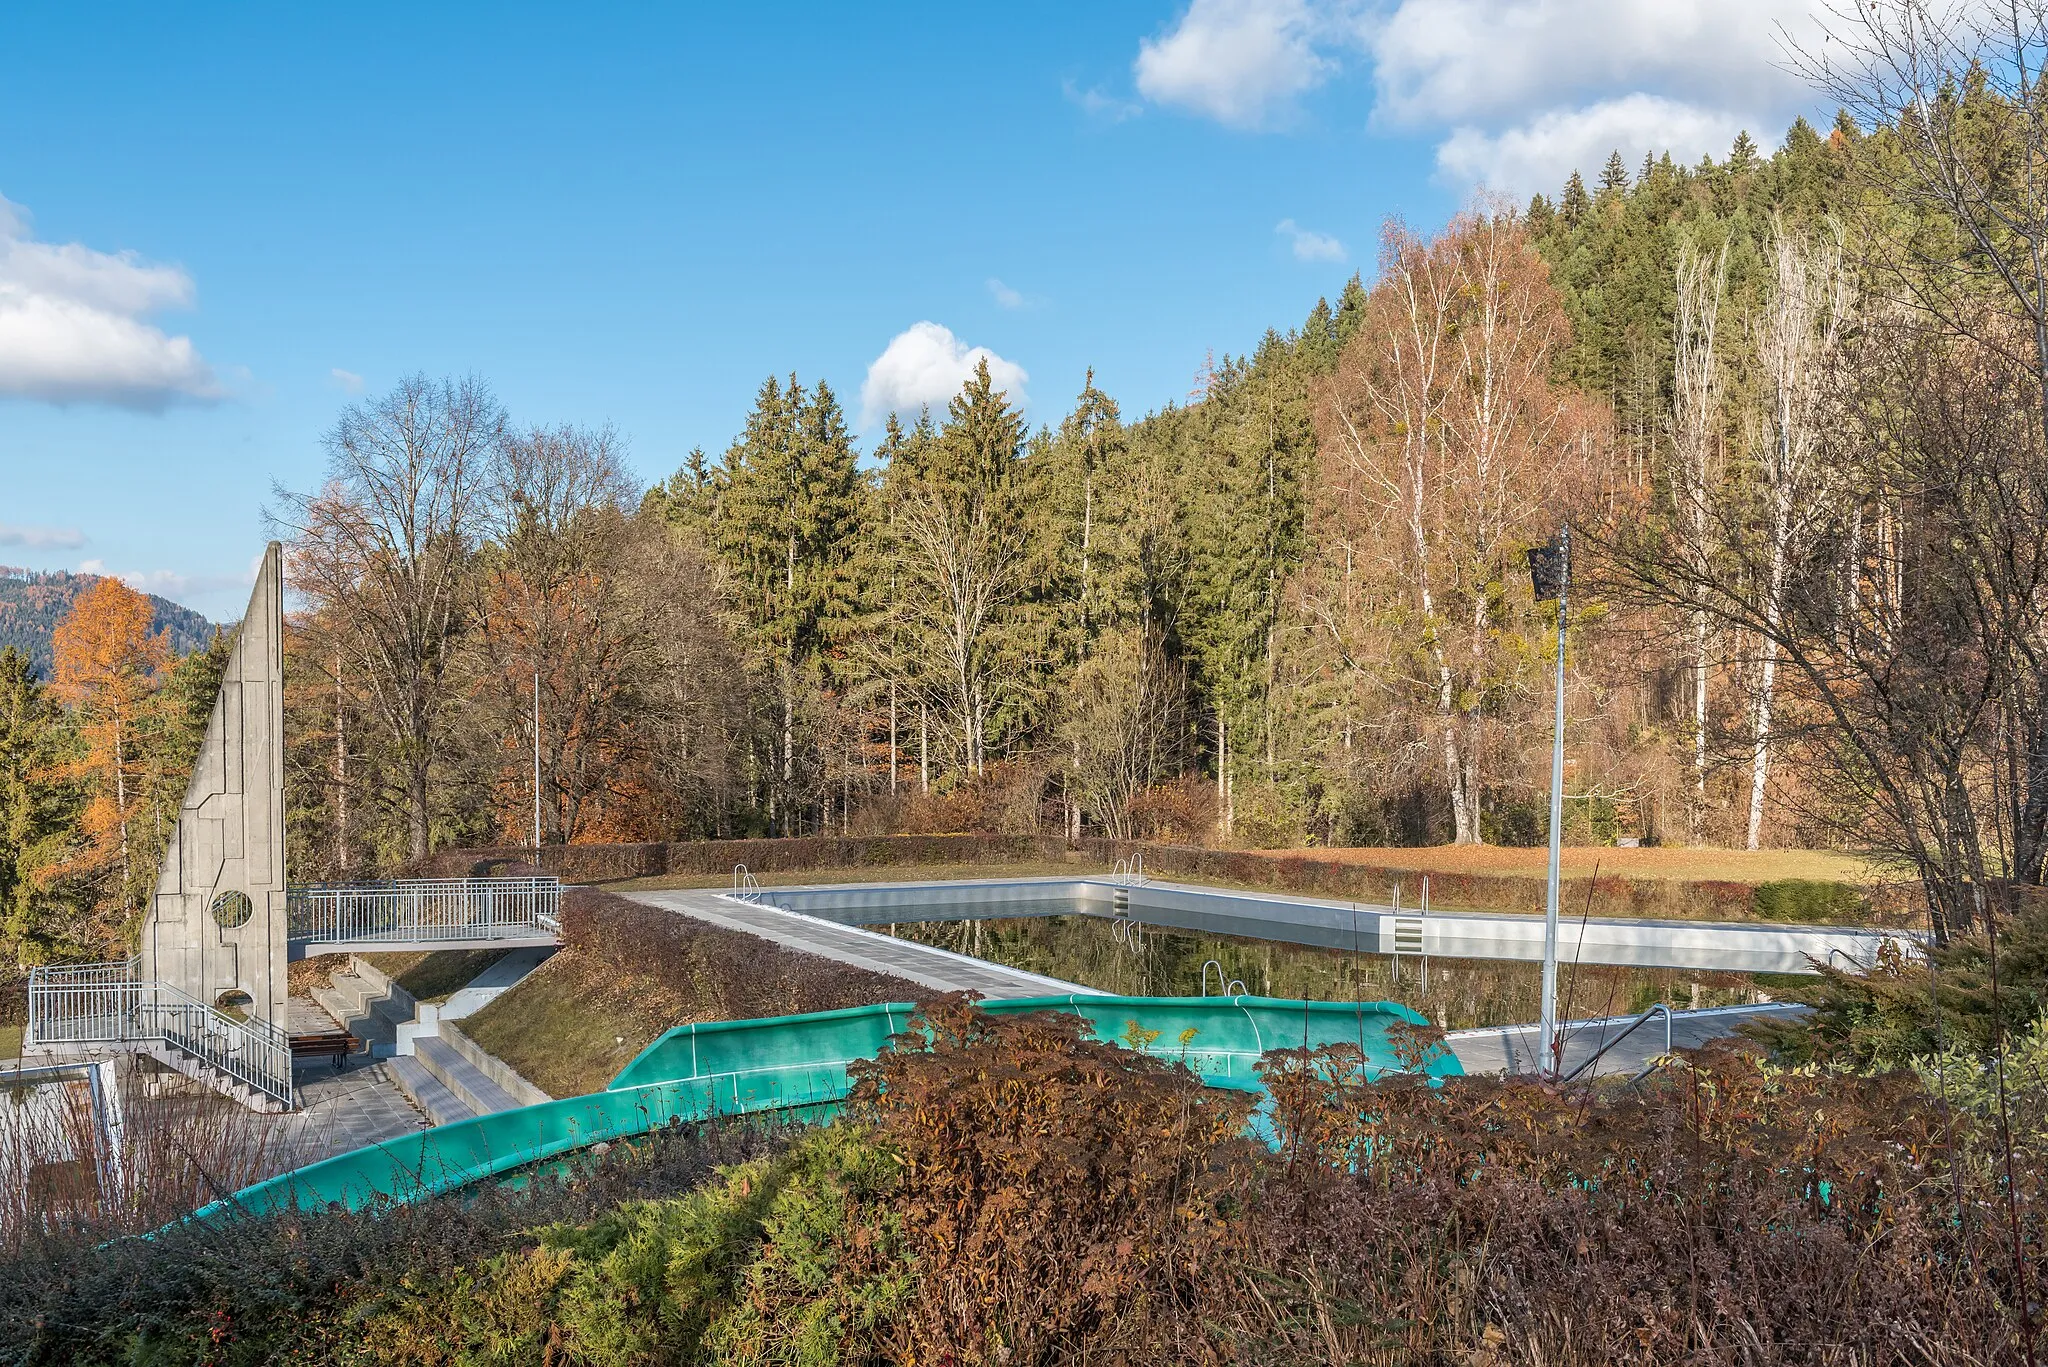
{"type": "Point", "coordinates": [927, 966]}
{"type": "Point", "coordinates": [1515, 1048]}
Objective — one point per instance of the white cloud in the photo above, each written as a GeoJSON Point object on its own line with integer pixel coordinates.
{"type": "Point", "coordinates": [1004, 295]}
{"type": "Point", "coordinates": [1541, 154]}
{"type": "Point", "coordinates": [347, 381]}
{"type": "Point", "coordinates": [925, 365]}
{"type": "Point", "coordinates": [171, 583]}
{"type": "Point", "coordinates": [1441, 62]}
{"type": "Point", "coordinates": [1309, 246]}
{"type": "Point", "coordinates": [1097, 105]}
{"type": "Point", "coordinates": [1241, 62]}
{"type": "Point", "coordinates": [73, 329]}
{"type": "Point", "coordinates": [1518, 93]}
{"type": "Point", "coordinates": [41, 538]}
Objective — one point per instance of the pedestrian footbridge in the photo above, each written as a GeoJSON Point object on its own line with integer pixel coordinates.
{"type": "Point", "coordinates": [423, 914]}
{"type": "Point", "coordinates": [97, 1008]}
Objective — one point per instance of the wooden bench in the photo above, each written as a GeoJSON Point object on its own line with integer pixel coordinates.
{"type": "Point", "coordinates": [336, 1047]}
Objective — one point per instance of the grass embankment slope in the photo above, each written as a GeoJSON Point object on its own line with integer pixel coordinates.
{"type": "Point", "coordinates": [435, 975]}
{"type": "Point", "coordinates": [627, 972]}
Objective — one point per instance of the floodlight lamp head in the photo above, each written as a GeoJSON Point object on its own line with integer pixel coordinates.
{"type": "Point", "coordinates": [1550, 567]}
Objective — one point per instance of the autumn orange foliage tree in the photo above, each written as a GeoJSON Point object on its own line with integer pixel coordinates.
{"type": "Point", "coordinates": [108, 668]}
{"type": "Point", "coordinates": [1445, 450]}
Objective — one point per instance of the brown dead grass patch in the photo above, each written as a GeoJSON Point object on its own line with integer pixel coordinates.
{"type": "Point", "coordinates": [1677, 863]}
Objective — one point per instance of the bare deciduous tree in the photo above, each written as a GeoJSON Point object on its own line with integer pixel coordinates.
{"type": "Point", "coordinates": [1126, 723]}
{"type": "Point", "coordinates": [1445, 450]}
{"type": "Point", "coordinates": [1795, 339]}
{"type": "Point", "coordinates": [1697, 381]}
{"type": "Point", "coordinates": [382, 553]}
{"type": "Point", "coordinates": [958, 570]}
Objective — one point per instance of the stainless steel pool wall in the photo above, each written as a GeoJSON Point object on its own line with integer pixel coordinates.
{"type": "Point", "coordinates": [1361, 927]}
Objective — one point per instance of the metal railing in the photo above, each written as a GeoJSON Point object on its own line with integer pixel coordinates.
{"type": "Point", "coordinates": [108, 1004]}
{"type": "Point", "coordinates": [424, 909]}
{"type": "Point", "coordinates": [1130, 873]}
{"type": "Point", "coordinates": [1225, 986]}
{"type": "Point", "coordinates": [1660, 1009]}
{"type": "Point", "coordinates": [745, 887]}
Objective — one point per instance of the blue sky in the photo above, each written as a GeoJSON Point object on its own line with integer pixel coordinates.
{"type": "Point", "coordinates": [221, 223]}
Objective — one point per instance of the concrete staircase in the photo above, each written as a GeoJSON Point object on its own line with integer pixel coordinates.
{"type": "Point", "coordinates": [444, 1074]}
{"type": "Point", "coordinates": [447, 1086]}
{"type": "Point", "coordinates": [368, 1005]}
{"type": "Point", "coordinates": [183, 1064]}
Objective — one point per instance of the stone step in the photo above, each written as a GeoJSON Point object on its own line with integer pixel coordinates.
{"type": "Point", "coordinates": [426, 1091]}
{"type": "Point", "coordinates": [362, 1009]}
{"type": "Point", "coordinates": [462, 1077]}
{"type": "Point", "coordinates": [178, 1061]}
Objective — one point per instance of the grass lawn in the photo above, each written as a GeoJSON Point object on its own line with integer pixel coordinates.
{"type": "Point", "coordinates": [10, 1041]}
{"type": "Point", "coordinates": [435, 975]}
{"type": "Point", "coordinates": [1678, 863]}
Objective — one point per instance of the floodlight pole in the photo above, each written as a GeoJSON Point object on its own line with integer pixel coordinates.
{"type": "Point", "coordinates": [536, 759]}
{"type": "Point", "coordinates": [1551, 1061]}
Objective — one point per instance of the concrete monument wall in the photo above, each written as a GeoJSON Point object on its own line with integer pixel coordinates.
{"type": "Point", "coordinates": [217, 923]}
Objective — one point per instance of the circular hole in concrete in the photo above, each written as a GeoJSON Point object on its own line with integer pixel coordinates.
{"type": "Point", "coordinates": [233, 908]}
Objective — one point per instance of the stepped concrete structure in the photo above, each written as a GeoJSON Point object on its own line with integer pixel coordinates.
{"type": "Point", "coordinates": [216, 929]}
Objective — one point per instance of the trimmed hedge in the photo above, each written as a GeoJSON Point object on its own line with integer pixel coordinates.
{"type": "Point", "coordinates": [1304, 874]}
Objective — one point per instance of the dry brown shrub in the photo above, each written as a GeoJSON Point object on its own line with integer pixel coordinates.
{"type": "Point", "coordinates": [1064, 1199]}
{"type": "Point", "coordinates": [1721, 1213]}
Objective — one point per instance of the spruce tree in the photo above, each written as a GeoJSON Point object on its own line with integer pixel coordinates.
{"type": "Point", "coordinates": [38, 812]}
{"type": "Point", "coordinates": [786, 529]}
{"type": "Point", "coordinates": [1572, 205]}
{"type": "Point", "coordinates": [1614, 176]}
{"type": "Point", "coordinates": [1742, 158]}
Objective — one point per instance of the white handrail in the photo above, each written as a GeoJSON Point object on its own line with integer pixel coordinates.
{"type": "Point", "coordinates": [1225, 986]}
{"type": "Point", "coordinates": [745, 887]}
{"type": "Point", "coordinates": [107, 1004]}
{"type": "Point", "coordinates": [416, 909]}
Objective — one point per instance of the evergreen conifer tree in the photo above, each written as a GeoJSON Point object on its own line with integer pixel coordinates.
{"type": "Point", "coordinates": [1572, 205]}
{"type": "Point", "coordinates": [1614, 176]}
{"type": "Point", "coordinates": [38, 813]}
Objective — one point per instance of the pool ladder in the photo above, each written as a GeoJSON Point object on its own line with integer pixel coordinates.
{"type": "Point", "coordinates": [745, 888]}
{"type": "Point", "coordinates": [1225, 986]}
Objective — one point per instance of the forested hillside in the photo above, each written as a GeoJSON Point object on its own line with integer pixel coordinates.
{"type": "Point", "coordinates": [33, 602]}
{"type": "Point", "coordinates": [1291, 609]}
{"type": "Point", "coordinates": [1294, 609]}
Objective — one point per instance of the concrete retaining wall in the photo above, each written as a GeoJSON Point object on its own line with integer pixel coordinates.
{"type": "Point", "coordinates": [492, 1067]}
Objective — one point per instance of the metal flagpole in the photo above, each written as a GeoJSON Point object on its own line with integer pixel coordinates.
{"type": "Point", "coordinates": [1550, 571]}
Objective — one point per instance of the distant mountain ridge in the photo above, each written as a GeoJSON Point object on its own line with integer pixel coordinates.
{"type": "Point", "coordinates": [33, 602]}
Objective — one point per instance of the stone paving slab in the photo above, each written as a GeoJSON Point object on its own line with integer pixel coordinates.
{"type": "Point", "coordinates": [341, 1111]}
{"type": "Point", "coordinates": [927, 966]}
